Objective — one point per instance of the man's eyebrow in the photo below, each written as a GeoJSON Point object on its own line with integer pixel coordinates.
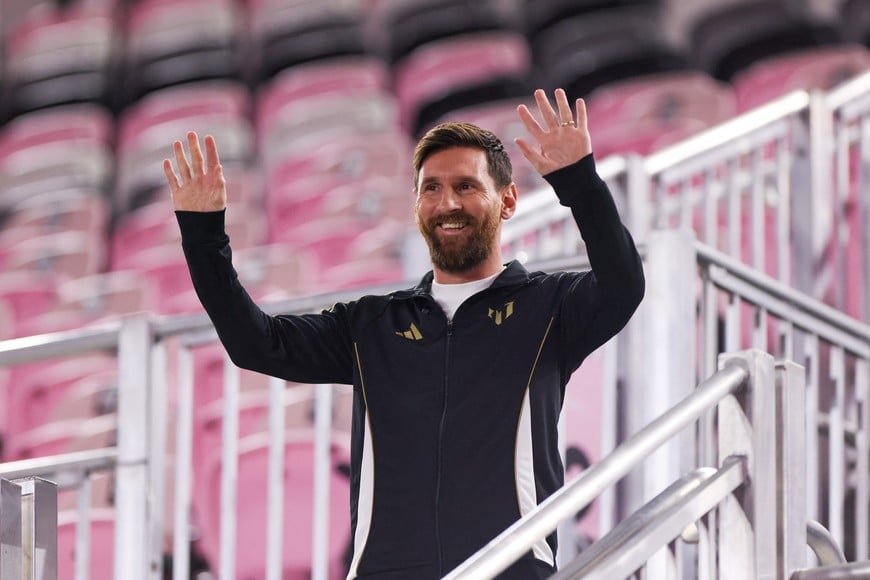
{"type": "Point", "coordinates": [454, 179]}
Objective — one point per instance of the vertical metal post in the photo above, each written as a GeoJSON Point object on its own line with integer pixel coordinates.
{"type": "Point", "coordinates": [791, 467]}
{"type": "Point", "coordinates": [322, 468]}
{"type": "Point", "coordinates": [821, 148]}
{"type": "Point", "coordinates": [11, 556]}
{"type": "Point", "coordinates": [748, 530]}
{"type": "Point", "coordinates": [183, 466]}
{"type": "Point", "coordinates": [229, 469]}
{"type": "Point", "coordinates": [133, 559]}
{"type": "Point", "coordinates": [275, 489]}
{"type": "Point", "coordinates": [157, 454]}
{"type": "Point", "coordinates": [662, 347]}
{"type": "Point", "coordinates": [83, 530]}
{"type": "Point", "coordinates": [39, 523]}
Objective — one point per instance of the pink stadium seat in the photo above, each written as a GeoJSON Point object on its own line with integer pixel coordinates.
{"type": "Point", "coordinates": [328, 239]}
{"type": "Point", "coordinates": [107, 294]}
{"type": "Point", "coordinates": [48, 167]}
{"type": "Point", "coordinates": [67, 210]}
{"type": "Point", "coordinates": [351, 157]}
{"type": "Point", "coordinates": [361, 273]}
{"type": "Point", "coordinates": [25, 295]}
{"type": "Point", "coordinates": [60, 56]}
{"type": "Point", "coordinates": [35, 389]}
{"type": "Point", "coordinates": [67, 254]}
{"type": "Point", "coordinates": [662, 96]}
{"type": "Point", "coordinates": [301, 125]}
{"type": "Point", "coordinates": [436, 68]}
{"type": "Point", "coordinates": [343, 76]}
{"type": "Point", "coordinates": [171, 43]}
{"type": "Point", "coordinates": [818, 68]}
{"type": "Point", "coordinates": [63, 436]}
{"type": "Point", "coordinates": [641, 137]}
{"type": "Point", "coordinates": [102, 534]}
{"type": "Point", "coordinates": [214, 98]}
{"type": "Point", "coordinates": [63, 125]}
{"type": "Point", "coordinates": [151, 124]}
{"type": "Point", "coordinates": [253, 418]}
{"type": "Point", "coordinates": [367, 200]}
{"type": "Point", "coordinates": [253, 509]}
{"type": "Point", "coordinates": [277, 268]}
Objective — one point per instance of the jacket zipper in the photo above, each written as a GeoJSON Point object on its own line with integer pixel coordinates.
{"type": "Point", "coordinates": [440, 448]}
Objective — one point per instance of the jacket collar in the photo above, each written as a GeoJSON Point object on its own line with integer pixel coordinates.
{"type": "Point", "coordinates": [513, 274]}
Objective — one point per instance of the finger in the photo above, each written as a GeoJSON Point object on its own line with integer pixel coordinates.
{"type": "Point", "coordinates": [529, 152]}
{"type": "Point", "coordinates": [532, 126]}
{"type": "Point", "coordinates": [565, 114]}
{"type": "Point", "coordinates": [195, 152]}
{"type": "Point", "coordinates": [546, 109]}
{"type": "Point", "coordinates": [211, 154]}
{"type": "Point", "coordinates": [582, 122]}
{"type": "Point", "coordinates": [171, 178]}
{"type": "Point", "coordinates": [181, 161]}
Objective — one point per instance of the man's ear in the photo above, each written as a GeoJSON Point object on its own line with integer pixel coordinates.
{"type": "Point", "coordinates": [508, 201]}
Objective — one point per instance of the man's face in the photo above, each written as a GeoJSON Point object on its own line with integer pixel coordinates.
{"type": "Point", "coordinates": [459, 208]}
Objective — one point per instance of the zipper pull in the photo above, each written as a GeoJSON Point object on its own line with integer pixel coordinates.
{"type": "Point", "coordinates": [450, 327]}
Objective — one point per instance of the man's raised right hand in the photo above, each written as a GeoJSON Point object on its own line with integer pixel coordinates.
{"type": "Point", "coordinates": [202, 186]}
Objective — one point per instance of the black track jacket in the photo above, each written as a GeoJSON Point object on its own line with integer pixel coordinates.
{"type": "Point", "coordinates": [454, 423]}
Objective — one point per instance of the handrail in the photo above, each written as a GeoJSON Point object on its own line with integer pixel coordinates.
{"type": "Point", "coordinates": [823, 545]}
{"type": "Point", "coordinates": [45, 467]}
{"type": "Point", "coordinates": [849, 92]}
{"type": "Point", "coordinates": [516, 540]}
{"type": "Point", "coordinates": [852, 570]}
{"type": "Point", "coordinates": [627, 546]}
{"type": "Point", "coordinates": [728, 132]}
{"type": "Point", "coordinates": [776, 289]}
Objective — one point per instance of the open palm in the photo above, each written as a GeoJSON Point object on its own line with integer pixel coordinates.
{"type": "Point", "coordinates": [561, 138]}
{"type": "Point", "coordinates": [200, 184]}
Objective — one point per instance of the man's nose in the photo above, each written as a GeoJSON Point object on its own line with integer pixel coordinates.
{"type": "Point", "coordinates": [450, 200]}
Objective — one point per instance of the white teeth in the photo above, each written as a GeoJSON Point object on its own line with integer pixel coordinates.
{"type": "Point", "coordinates": [452, 226]}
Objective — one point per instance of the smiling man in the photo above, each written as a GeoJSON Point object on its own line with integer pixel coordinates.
{"type": "Point", "coordinates": [459, 381]}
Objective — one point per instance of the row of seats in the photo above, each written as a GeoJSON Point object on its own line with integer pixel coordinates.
{"type": "Point", "coordinates": [115, 53]}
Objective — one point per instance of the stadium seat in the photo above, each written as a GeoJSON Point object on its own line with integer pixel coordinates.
{"type": "Point", "coordinates": [285, 35]}
{"type": "Point", "coordinates": [102, 534]}
{"type": "Point", "coordinates": [74, 210]}
{"type": "Point", "coordinates": [817, 68]}
{"type": "Point", "coordinates": [171, 43]}
{"type": "Point", "coordinates": [583, 53]}
{"type": "Point", "coordinates": [728, 39]}
{"type": "Point", "coordinates": [149, 128]}
{"type": "Point", "coordinates": [539, 15]}
{"type": "Point", "coordinates": [60, 57]}
{"type": "Point", "coordinates": [253, 507]}
{"type": "Point", "coordinates": [73, 124]}
{"type": "Point", "coordinates": [460, 71]}
{"type": "Point", "coordinates": [346, 159]}
{"type": "Point", "coordinates": [415, 23]}
{"type": "Point", "coordinates": [688, 94]}
{"type": "Point", "coordinates": [62, 436]}
{"type": "Point", "coordinates": [66, 254]}
{"type": "Point", "coordinates": [855, 20]}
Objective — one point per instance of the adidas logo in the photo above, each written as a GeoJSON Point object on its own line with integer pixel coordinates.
{"type": "Point", "coordinates": [412, 333]}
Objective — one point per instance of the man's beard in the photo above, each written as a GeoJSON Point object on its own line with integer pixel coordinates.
{"type": "Point", "coordinates": [460, 253]}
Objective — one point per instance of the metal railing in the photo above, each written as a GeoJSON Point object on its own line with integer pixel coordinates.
{"type": "Point", "coordinates": [746, 424]}
{"type": "Point", "coordinates": [28, 529]}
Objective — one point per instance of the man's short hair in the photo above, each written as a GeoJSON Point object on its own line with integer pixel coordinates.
{"type": "Point", "coordinates": [453, 134]}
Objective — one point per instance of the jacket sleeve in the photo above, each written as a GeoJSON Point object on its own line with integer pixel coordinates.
{"type": "Point", "coordinates": [310, 348]}
{"type": "Point", "coordinates": [600, 302]}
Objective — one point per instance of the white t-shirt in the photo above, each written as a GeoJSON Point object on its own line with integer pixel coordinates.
{"type": "Point", "coordinates": [450, 296]}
